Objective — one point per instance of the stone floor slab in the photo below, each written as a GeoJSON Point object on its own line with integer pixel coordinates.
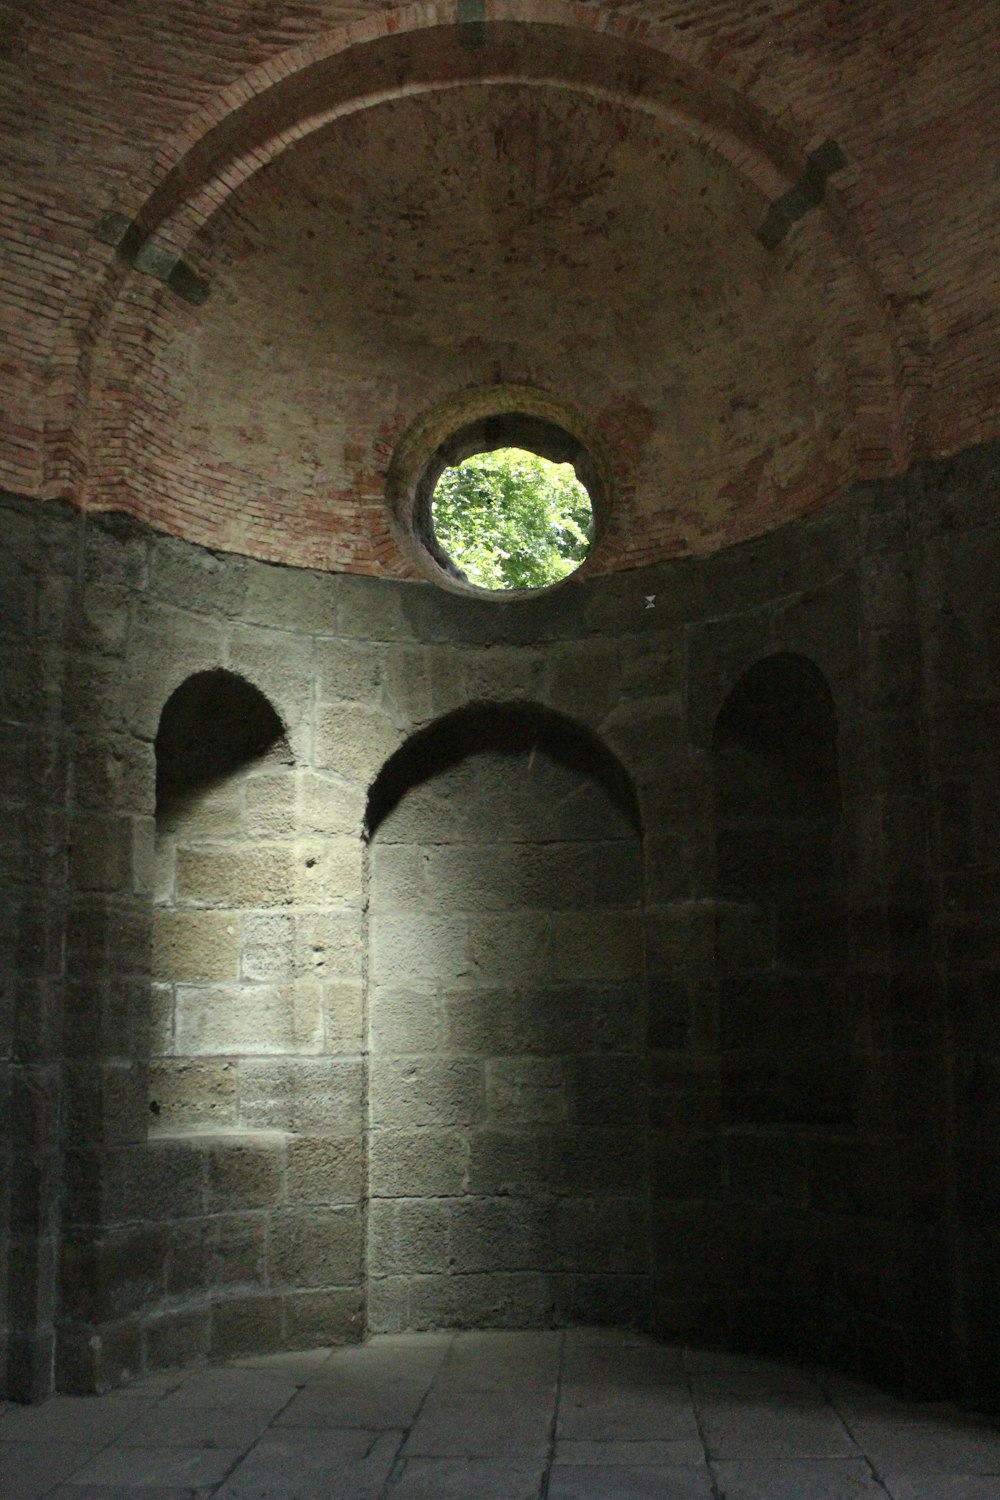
{"type": "Point", "coordinates": [641, 1451]}
{"type": "Point", "coordinates": [481, 1425]}
{"type": "Point", "coordinates": [942, 1486]}
{"type": "Point", "coordinates": [391, 1406]}
{"type": "Point", "coordinates": [162, 1467]}
{"type": "Point", "coordinates": [518, 1344]}
{"type": "Point", "coordinates": [724, 1359]}
{"type": "Point", "coordinates": [775, 1428]}
{"type": "Point", "coordinates": [798, 1479]}
{"type": "Point", "coordinates": [634, 1364]}
{"type": "Point", "coordinates": [29, 1470]}
{"type": "Point", "coordinates": [93, 1420]}
{"type": "Point", "coordinates": [236, 1389]}
{"type": "Point", "coordinates": [471, 1415]}
{"type": "Point", "coordinates": [618, 1482]}
{"type": "Point", "coordinates": [160, 1383]}
{"type": "Point", "coordinates": [325, 1466]}
{"type": "Point", "coordinates": [360, 1379]}
{"type": "Point", "coordinates": [467, 1479]}
{"type": "Point", "coordinates": [600, 1333]}
{"type": "Point", "coordinates": [623, 1415]}
{"type": "Point", "coordinates": [71, 1491]}
{"type": "Point", "coordinates": [750, 1385]}
{"type": "Point", "coordinates": [857, 1398]}
{"type": "Point", "coordinates": [931, 1446]}
{"type": "Point", "coordinates": [194, 1427]}
{"type": "Point", "coordinates": [440, 1339]}
{"type": "Point", "coordinates": [298, 1364]}
{"type": "Point", "coordinates": [502, 1362]}
{"type": "Point", "coordinates": [389, 1357]}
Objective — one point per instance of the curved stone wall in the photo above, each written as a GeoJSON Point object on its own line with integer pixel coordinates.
{"type": "Point", "coordinates": [134, 1250]}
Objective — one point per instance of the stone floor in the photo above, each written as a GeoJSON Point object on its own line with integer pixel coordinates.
{"type": "Point", "coordinates": [582, 1415]}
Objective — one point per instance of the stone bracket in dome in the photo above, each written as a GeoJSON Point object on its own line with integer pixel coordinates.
{"type": "Point", "coordinates": [114, 228]}
{"type": "Point", "coordinates": [805, 195]}
{"type": "Point", "coordinates": [472, 17]}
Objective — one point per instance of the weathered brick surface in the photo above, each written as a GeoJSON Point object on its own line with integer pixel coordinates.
{"type": "Point", "coordinates": [875, 320]}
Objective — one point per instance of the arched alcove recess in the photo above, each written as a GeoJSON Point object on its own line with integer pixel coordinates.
{"type": "Point", "coordinates": [506, 1025]}
{"type": "Point", "coordinates": [221, 758]}
{"type": "Point", "coordinates": [778, 816]}
{"type": "Point", "coordinates": [786, 1072]}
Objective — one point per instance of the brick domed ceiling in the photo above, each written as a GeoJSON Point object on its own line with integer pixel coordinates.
{"type": "Point", "coordinates": [713, 242]}
{"type": "Point", "coordinates": [501, 234]}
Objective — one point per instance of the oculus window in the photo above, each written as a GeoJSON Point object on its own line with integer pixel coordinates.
{"type": "Point", "coordinates": [511, 519]}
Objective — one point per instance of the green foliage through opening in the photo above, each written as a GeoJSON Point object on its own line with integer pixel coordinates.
{"type": "Point", "coordinates": [513, 520]}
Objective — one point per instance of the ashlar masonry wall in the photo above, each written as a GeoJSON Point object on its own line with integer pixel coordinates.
{"type": "Point", "coordinates": [41, 714]}
{"type": "Point", "coordinates": [239, 1216]}
{"type": "Point", "coordinates": [218, 1201]}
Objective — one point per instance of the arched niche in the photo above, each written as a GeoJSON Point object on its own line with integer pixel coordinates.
{"type": "Point", "coordinates": [506, 1028]}
{"type": "Point", "coordinates": [224, 798]}
{"type": "Point", "coordinates": [501, 728]}
{"type": "Point", "coordinates": [781, 959]}
{"type": "Point", "coordinates": [213, 725]}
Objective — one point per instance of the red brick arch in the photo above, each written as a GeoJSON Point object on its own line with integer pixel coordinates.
{"type": "Point", "coordinates": [253, 120]}
{"type": "Point", "coordinates": [423, 48]}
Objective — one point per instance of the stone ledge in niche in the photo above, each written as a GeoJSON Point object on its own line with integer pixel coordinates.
{"type": "Point", "coordinates": [218, 1135]}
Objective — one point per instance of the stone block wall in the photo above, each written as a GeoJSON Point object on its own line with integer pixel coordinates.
{"type": "Point", "coordinates": [830, 1236]}
{"type": "Point", "coordinates": [215, 1189]}
{"type": "Point", "coordinates": [957, 527]}
{"type": "Point", "coordinates": [370, 1027]}
{"type": "Point", "coordinates": [38, 564]}
{"type": "Point", "coordinates": [783, 1029]}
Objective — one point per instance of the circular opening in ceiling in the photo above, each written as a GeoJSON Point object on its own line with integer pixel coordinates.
{"type": "Point", "coordinates": [508, 518]}
{"type": "Point", "coordinates": [499, 492]}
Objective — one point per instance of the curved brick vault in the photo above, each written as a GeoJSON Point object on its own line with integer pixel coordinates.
{"type": "Point", "coordinates": [387, 206]}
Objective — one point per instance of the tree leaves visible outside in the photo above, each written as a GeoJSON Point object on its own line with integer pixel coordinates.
{"type": "Point", "coordinates": [512, 520]}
